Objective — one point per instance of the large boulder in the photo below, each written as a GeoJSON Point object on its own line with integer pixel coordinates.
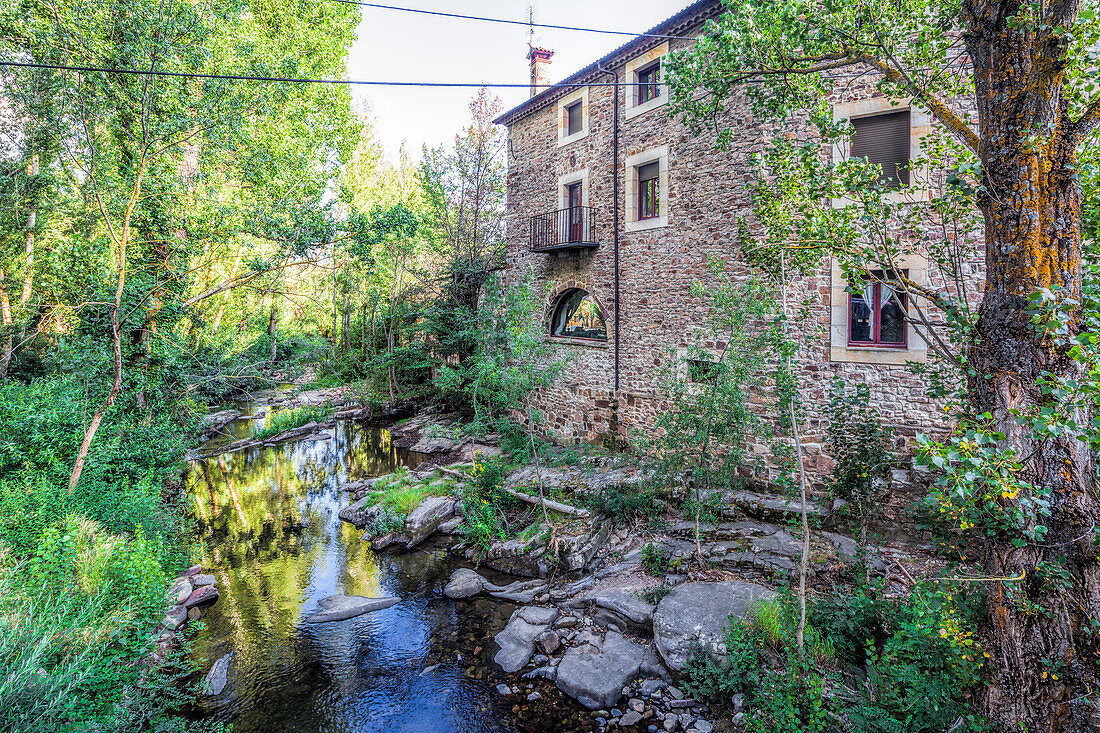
{"type": "Point", "coordinates": [698, 614]}
{"type": "Point", "coordinates": [517, 640]}
{"type": "Point", "coordinates": [596, 679]}
{"type": "Point", "coordinates": [626, 602]}
{"type": "Point", "coordinates": [359, 513]}
{"type": "Point", "coordinates": [427, 517]}
{"type": "Point", "coordinates": [338, 608]}
{"type": "Point", "coordinates": [465, 583]}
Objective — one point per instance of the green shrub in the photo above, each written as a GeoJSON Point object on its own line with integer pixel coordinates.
{"type": "Point", "coordinates": [289, 419]}
{"type": "Point", "coordinates": [790, 700]}
{"type": "Point", "coordinates": [854, 620]}
{"type": "Point", "coordinates": [484, 501]}
{"type": "Point", "coordinates": [656, 593]}
{"type": "Point", "coordinates": [622, 506]}
{"type": "Point", "coordinates": [706, 677]}
{"type": "Point", "coordinates": [655, 558]}
{"type": "Point", "coordinates": [859, 444]}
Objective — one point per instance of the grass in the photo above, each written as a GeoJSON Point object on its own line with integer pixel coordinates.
{"type": "Point", "coordinates": [776, 621]}
{"type": "Point", "coordinates": [400, 493]}
{"type": "Point", "coordinates": [289, 419]}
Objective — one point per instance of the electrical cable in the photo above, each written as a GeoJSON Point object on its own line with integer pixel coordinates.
{"type": "Point", "coordinates": [294, 80]}
{"type": "Point", "coordinates": [528, 24]}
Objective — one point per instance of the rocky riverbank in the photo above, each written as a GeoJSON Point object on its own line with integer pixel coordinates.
{"type": "Point", "coordinates": [611, 613]}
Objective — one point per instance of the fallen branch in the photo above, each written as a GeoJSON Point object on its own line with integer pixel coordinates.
{"type": "Point", "coordinates": [548, 503]}
{"type": "Point", "coordinates": [556, 506]}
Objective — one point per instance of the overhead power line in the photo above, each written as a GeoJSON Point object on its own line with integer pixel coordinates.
{"type": "Point", "coordinates": [295, 80]}
{"type": "Point", "coordinates": [526, 23]}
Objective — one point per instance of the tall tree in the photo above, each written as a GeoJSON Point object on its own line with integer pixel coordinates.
{"type": "Point", "coordinates": [1028, 70]}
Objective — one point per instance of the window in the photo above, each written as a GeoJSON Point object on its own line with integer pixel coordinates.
{"type": "Point", "coordinates": [704, 371]}
{"type": "Point", "coordinates": [577, 315]}
{"type": "Point", "coordinates": [649, 190]}
{"type": "Point", "coordinates": [649, 82]}
{"type": "Point", "coordinates": [884, 140]}
{"type": "Point", "coordinates": [876, 316]}
{"type": "Point", "coordinates": [574, 196]}
{"type": "Point", "coordinates": [574, 118]}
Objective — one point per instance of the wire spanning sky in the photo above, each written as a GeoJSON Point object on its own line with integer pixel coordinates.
{"type": "Point", "coordinates": [415, 47]}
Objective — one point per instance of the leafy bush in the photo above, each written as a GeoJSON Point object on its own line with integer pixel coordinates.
{"type": "Point", "coordinates": [656, 593]}
{"type": "Point", "coordinates": [918, 682]}
{"type": "Point", "coordinates": [284, 420]}
{"type": "Point", "coordinates": [854, 620]}
{"type": "Point", "coordinates": [655, 558]}
{"type": "Point", "coordinates": [622, 505]}
{"type": "Point", "coordinates": [791, 700]}
{"type": "Point", "coordinates": [706, 677]}
{"type": "Point", "coordinates": [859, 444]}
{"type": "Point", "coordinates": [484, 501]}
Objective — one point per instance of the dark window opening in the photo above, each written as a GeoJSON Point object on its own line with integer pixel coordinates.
{"type": "Point", "coordinates": [649, 190]}
{"type": "Point", "coordinates": [574, 118]}
{"type": "Point", "coordinates": [649, 82]}
{"type": "Point", "coordinates": [884, 140]}
{"type": "Point", "coordinates": [703, 371]}
{"type": "Point", "coordinates": [876, 316]}
{"type": "Point", "coordinates": [577, 315]}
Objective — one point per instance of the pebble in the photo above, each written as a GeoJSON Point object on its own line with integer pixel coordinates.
{"type": "Point", "coordinates": [633, 718]}
{"type": "Point", "coordinates": [503, 689]}
{"type": "Point", "coordinates": [616, 713]}
{"type": "Point", "coordinates": [703, 726]}
{"type": "Point", "coordinates": [534, 696]}
{"type": "Point", "coordinates": [636, 704]}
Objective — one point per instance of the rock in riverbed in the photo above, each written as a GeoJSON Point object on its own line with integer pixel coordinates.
{"type": "Point", "coordinates": [427, 517]}
{"type": "Point", "coordinates": [517, 641]}
{"type": "Point", "coordinates": [338, 608]}
{"type": "Point", "coordinates": [596, 679]}
{"type": "Point", "coordinates": [698, 613]}
{"type": "Point", "coordinates": [218, 675]}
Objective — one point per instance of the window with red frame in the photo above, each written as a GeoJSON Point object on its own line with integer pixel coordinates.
{"type": "Point", "coordinates": [649, 190]}
{"type": "Point", "coordinates": [649, 82]}
{"type": "Point", "coordinates": [876, 316]}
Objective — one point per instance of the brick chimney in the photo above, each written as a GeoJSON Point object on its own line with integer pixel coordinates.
{"type": "Point", "coordinates": [540, 59]}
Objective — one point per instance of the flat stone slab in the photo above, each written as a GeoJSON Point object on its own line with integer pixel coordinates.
{"type": "Point", "coordinates": [627, 603]}
{"type": "Point", "coordinates": [339, 608]}
{"type": "Point", "coordinates": [698, 613]}
{"type": "Point", "coordinates": [517, 640]}
{"type": "Point", "coordinates": [596, 679]}
{"type": "Point", "coordinates": [202, 596]}
{"type": "Point", "coordinates": [426, 518]}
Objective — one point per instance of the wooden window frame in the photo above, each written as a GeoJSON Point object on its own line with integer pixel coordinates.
{"type": "Point", "coordinates": [647, 91]}
{"type": "Point", "coordinates": [876, 334]}
{"type": "Point", "coordinates": [650, 186]}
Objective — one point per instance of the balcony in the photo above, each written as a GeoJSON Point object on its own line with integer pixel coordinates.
{"type": "Point", "coordinates": [564, 230]}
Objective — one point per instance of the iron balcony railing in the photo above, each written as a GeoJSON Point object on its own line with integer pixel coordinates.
{"type": "Point", "coordinates": [572, 228]}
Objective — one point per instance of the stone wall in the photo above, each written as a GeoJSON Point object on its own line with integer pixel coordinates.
{"type": "Point", "coordinates": [705, 195]}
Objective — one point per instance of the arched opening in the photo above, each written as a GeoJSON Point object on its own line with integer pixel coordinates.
{"type": "Point", "coordinates": [578, 315]}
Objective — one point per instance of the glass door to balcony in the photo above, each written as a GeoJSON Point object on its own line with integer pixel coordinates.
{"type": "Point", "coordinates": [574, 213]}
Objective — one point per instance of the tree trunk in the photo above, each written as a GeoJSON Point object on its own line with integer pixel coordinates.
{"type": "Point", "coordinates": [1042, 663]}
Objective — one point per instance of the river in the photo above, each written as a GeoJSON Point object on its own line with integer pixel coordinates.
{"type": "Point", "coordinates": [267, 520]}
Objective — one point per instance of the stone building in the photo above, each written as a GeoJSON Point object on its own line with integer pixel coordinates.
{"type": "Point", "coordinates": [615, 206]}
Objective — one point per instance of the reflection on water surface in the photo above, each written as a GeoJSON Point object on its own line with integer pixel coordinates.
{"type": "Point", "coordinates": [269, 526]}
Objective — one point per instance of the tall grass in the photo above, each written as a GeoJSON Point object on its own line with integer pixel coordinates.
{"type": "Point", "coordinates": [289, 419]}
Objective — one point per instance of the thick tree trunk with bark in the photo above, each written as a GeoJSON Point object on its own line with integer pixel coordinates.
{"type": "Point", "coordinates": [1043, 653]}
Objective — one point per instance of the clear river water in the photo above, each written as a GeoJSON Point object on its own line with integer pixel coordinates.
{"type": "Point", "coordinates": [271, 536]}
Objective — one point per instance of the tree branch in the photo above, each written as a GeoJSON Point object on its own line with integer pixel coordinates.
{"type": "Point", "coordinates": [1089, 120]}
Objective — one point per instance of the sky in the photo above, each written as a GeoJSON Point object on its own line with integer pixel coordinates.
{"type": "Point", "coordinates": [398, 46]}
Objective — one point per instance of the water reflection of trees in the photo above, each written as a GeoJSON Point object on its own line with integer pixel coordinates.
{"type": "Point", "coordinates": [271, 565]}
